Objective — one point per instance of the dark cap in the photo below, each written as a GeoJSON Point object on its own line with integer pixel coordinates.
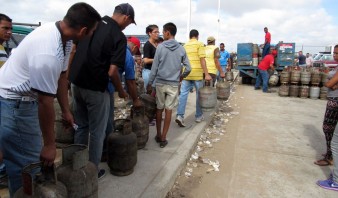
{"type": "Point", "coordinates": [126, 9]}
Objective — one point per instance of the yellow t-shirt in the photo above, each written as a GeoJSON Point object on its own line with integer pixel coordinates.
{"type": "Point", "coordinates": [195, 50]}
{"type": "Point", "coordinates": [210, 59]}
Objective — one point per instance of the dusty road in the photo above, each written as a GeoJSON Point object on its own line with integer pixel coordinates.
{"type": "Point", "coordinates": [267, 150]}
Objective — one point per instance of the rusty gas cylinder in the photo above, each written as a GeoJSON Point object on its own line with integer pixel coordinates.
{"type": "Point", "coordinates": [223, 89]}
{"type": "Point", "coordinates": [305, 77]}
{"type": "Point", "coordinates": [285, 76]}
{"type": "Point", "coordinates": [77, 173]}
{"type": "Point", "coordinates": [315, 78]}
{"type": "Point", "coordinates": [304, 91]}
{"type": "Point", "coordinates": [273, 80]}
{"type": "Point", "coordinates": [294, 91]}
{"type": "Point", "coordinates": [149, 105]}
{"type": "Point", "coordinates": [207, 96]}
{"type": "Point", "coordinates": [140, 126]}
{"type": "Point", "coordinates": [284, 90]}
{"type": "Point", "coordinates": [40, 181]}
{"type": "Point", "coordinates": [122, 148]}
{"type": "Point", "coordinates": [295, 76]}
{"type": "Point", "coordinates": [229, 76]}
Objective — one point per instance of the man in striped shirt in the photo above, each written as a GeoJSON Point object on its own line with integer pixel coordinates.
{"type": "Point", "coordinates": [5, 35]}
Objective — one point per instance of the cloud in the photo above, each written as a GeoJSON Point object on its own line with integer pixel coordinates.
{"type": "Point", "coordinates": [305, 22]}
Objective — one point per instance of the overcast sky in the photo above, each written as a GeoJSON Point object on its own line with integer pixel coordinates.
{"type": "Point", "coordinates": [308, 23]}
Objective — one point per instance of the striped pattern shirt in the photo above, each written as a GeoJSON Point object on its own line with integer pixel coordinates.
{"type": "Point", "coordinates": [195, 50]}
{"type": "Point", "coordinates": [3, 55]}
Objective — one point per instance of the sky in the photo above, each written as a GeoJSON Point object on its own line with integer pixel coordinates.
{"type": "Point", "coordinates": [311, 24]}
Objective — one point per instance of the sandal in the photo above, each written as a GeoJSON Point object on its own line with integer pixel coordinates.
{"type": "Point", "coordinates": [157, 139]}
{"type": "Point", "coordinates": [163, 143]}
{"type": "Point", "coordinates": [323, 162]}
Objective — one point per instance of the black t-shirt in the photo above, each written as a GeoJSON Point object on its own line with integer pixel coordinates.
{"type": "Point", "coordinates": [94, 56]}
{"type": "Point", "coordinates": [302, 59]}
{"type": "Point", "coordinates": [148, 52]}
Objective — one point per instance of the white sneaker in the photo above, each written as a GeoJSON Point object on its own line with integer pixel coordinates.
{"type": "Point", "coordinates": [179, 121]}
{"type": "Point", "coordinates": [199, 119]}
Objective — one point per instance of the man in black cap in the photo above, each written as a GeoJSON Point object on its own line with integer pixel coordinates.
{"type": "Point", "coordinates": [97, 60]}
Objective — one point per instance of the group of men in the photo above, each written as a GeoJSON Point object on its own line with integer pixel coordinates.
{"type": "Point", "coordinates": [88, 52]}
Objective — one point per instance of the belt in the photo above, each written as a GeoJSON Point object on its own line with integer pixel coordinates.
{"type": "Point", "coordinates": [23, 98]}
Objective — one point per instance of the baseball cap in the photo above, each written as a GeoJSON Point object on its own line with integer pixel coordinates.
{"type": "Point", "coordinates": [126, 9]}
{"type": "Point", "coordinates": [274, 52]}
{"type": "Point", "coordinates": [136, 42]}
{"type": "Point", "coordinates": [211, 39]}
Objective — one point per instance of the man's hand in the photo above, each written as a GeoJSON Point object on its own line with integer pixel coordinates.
{"type": "Point", "coordinates": [207, 77]}
{"type": "Point", "coordinates": [222, 74]}
{"type": "Point", "coordinates": [149, 89]}
{"type": "Point", "coordinates": [67, 119]}
{"type": "Point", "coordinates": [123, 94]}
{"type": "Point", "coordinates": [137, 103]}
{"type": "Point", "coordinates": [48, 154]}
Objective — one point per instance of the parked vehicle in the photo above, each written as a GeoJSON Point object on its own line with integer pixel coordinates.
{"type": "Point", "coordinates": [326, 60]}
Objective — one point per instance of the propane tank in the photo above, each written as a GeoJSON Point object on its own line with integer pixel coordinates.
{"type": "Point", "coordinates": [273, 80]}
{"type": "Point", "coordinates": [77, 173]}
{"type": "Point", "coordinates": [223, 89]}
{"type": "Point", "coordinates": [41, 184]}
{"type": "Point", "coordinates": [140, 126]}
{"type": "Point", "coordinates": [229, 76]}
{"type": "Point", "coordinates": [149, 105]}
{"type": "Point", "coordinates": [122, 148]}
{"type": "Point", "coordinates": [207, 96]}
{"type": "Point", "coordinates": [63, 135]}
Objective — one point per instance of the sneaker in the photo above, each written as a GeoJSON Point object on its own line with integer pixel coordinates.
{"type": "Point", "coordinates": [101, 173]}
{"type": "Point", "coordinates": [328, 184]}
{"type": "Point", "coordinates": [179, 121]}
{"type": "Point", "coordinates": [257, 88]}
{"type": "Point", "coordinates": [199, 119]}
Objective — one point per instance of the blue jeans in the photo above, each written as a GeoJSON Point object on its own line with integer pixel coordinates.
{"type": "Point", "coordinates": [91, 112]}
{"type": "Point", "coordinates": [334, 148]}
{"type": "Point", "coordinates": [266, 50]}
{"type": "Point", "coordinates": [145, 76]}
{"type": "Point", "coordinates": [20, 138]}
{"type": "Point", "coordinates": [186, 86]}
{"type": "Point", "coordinates": [263, 75]}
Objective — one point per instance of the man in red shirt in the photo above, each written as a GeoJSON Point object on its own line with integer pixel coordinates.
{"type": "Point", "coordinates": [266, 48]}
{"type": "Point", "coordinates": [263, 74]}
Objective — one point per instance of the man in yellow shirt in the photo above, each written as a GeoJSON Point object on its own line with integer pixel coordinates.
{"type": "Point", "coordinates": [196, 54]}
{"type": "Point", "coordinates": [212, 59]}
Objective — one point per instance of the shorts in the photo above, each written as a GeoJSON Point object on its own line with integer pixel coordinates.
{"type": "Point", "coordinates": [166, 96]}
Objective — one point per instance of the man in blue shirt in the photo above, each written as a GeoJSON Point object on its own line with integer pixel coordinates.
{"type": "Point", "coordinates": [224, 59]}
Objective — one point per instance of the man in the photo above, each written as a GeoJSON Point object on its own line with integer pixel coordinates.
{"type": "Point", "coordinates": [224, 59]}
{"type": "Point", "coordinates": [96, 60]}
{"type": "Point", "coordinates": [5, 35]}
{"type": "Point", "coordinates": [212, 59]}
{"type": "Point", "coordinates": [166, 71]}
{"type": "Point", "coordinates": [266, 47]}
{"type": "Point", "coordinates": [301, 59]}
{"type": "Point", "coordinates": [309, 60]}
{"type": "Point", "coordinates": [263, 75]}
{"type": "Point", "coordinates": [29, 81]}
{"type": "Point", "coordinates": [196, 55]}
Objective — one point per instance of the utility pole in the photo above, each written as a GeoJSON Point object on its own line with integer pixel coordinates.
{"type": "Point", "coordinates": [189, 18]}
{"type": "Point", "coordinates": [218, 20]}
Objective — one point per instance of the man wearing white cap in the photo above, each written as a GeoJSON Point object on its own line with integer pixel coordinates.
{"type": "Point", "coordinates": [212, 56]}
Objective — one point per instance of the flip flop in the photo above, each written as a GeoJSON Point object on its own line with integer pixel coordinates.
{"type": "Point", "coordinates": [163, 143]}
{"type": "Point", "coordinates": [323, 162]}
{"type": "Point", "coordinates": [157, 139]}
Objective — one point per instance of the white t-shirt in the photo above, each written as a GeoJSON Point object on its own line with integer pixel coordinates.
{"type": "Point", "coordinates": [36, 64]}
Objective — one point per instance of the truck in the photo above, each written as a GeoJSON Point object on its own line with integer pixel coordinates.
{"type": "Point", "coordinates": [248, 70]}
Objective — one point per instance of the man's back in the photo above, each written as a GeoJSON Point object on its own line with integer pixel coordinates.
{"type": "Point", "coordinates": [195, 50]}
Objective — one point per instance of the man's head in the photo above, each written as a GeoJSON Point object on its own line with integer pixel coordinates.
{"type": "Point", "coordinates": [274, 52]}
{"type": "Point", "coordinates": [134, 45]}
{"type": "Point", "coordinates": [83, 19]}
{"type": "Point", "coordinates": [124, 15]}
{"type": "Point", "coordinates": [221, 46]}
{"type": "Point", "coordinates": [169, 31]}
{"type": "Point", "coordinates": [211, 40]}
{"type": "Point", "coordinates": [193, 34]}
{"type": "Point", "coordinates": [300, 53]}
{"type": "Point", "coordinates": [307, 55]}
{"type": "Point", "coordinates": [265, 29]}
{"type": "Point", "coordinates": [335, 53]}
{"type": "Point", "coordinates": [5, 28]}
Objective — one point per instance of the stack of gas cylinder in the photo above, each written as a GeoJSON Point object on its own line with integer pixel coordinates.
{"type": "Point", "coordinates": [303, 82]}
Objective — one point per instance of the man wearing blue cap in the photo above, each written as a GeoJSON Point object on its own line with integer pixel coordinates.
{"type": "Point", "coordinates": [95, 62]}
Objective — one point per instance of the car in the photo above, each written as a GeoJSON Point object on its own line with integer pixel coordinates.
{"type": "Point", "coordinates": [326, 60]}
{"type": "Point", "coordinates": [18, 34]}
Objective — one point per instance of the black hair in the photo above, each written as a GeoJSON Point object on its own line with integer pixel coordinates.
{"type": "Point", "coordinates": [336, 46]}
{"type": "Point", "coordinates": [160, 39]}
{"type": "Point", "coordinates": [193, 33]}
{"type": "Point", "coordinates": [4, 17]}
{"type": "Point", "coordinates": [82, 15]}
{"type": "Point", "coordinates": [171, 27]}
{"type": "Point", "coordinates": [221, 44]}
{"type": "Point", "coordinates": [150, 28]}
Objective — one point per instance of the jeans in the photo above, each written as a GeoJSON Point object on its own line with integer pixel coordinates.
{"type": "Point", "coordinates": [145, 76]}
{"type": "Point", "coordinates": [91, 112]}
{"type": "Point", "coordinates": [186, 86]}
{"type": "Point", "coordinates": [262, 76]}
{"type": "Point", "coordinates": [334, 148]}
{"type": "Point", "coordinates": [20, 138]}
{"type": "Point", "coordinates": [266, 50]}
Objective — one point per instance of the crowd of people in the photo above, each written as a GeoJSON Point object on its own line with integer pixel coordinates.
{"type": "Point", "coordinates": [85, 54]}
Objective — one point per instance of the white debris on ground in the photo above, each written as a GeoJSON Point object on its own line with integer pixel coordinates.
{"type": "Point", "coordinates": [211, 135]}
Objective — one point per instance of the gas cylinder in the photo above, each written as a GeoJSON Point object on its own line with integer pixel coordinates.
{"type": "Point", "coordinates": [77, 173]}
{"type": "Point", "coordinates": [63, 135]}
{"type": "Point", "coordinates": [314, 92]}
{"type": "Point", "coordinates": [41, 184]}
{"type": "Point", "coordinates": [122, 148]}
{"type": "Point", "coordinates": [207, 96]}
{"type": "Point", "coordinates": [305, 77]}
{"type": "Point", "coordinates": [294, 91]}
{"type": "Point", "coordinates": [139, 86]}
{"type": "Point", "coordinates": [315, 77]}
{"type": "Point", "coordinates": [284, 90]}
{"type": "Point", "coordinates": [295, 76]}
{"type": "Point", "coordinates": [285, 76]}
{"type": "Point", "coordinates": [304, 91]}
{"type": "Point", "coordinates": [149, 105]}
{"type": "Point", "coordinates": [229, 76]}
{"type": "Point", "coordinates": [223, 89]}
{"type": "Point", "coordinates": [140, 126]}
{"type": "Point", "coordinates": [273, 80]}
